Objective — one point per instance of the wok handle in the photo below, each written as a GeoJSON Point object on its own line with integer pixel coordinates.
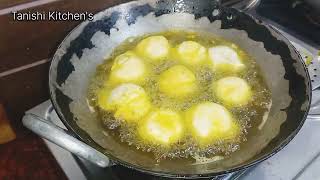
{"type": "Point", "coordinates": [59, 136]}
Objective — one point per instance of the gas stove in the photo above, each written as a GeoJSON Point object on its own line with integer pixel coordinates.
{"type": "Point", "coordinates": [299, 160]}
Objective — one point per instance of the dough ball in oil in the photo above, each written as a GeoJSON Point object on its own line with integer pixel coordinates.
{"type": "Point", "coordinates": [232, 91]}
{"type": "Point", "coordinates": [191, 53]}
{"type": "Point", "coordinates": [226, 59]}
{"type": "Point", "coordinates": [210, 122]}
{"type": "Point", "coordinates": [177, 81]}
{"type": "Point", "coordinates": [162, 127]}
{"type": "Point", "coordinates": [128, 102]}
{"type": "Point", "coordinates": [154, 48]}
{"type": "Point", "coordinates": [128, 67]}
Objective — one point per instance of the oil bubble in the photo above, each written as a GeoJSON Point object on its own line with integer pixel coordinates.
{"type": "Point", "coordinates": [187, 146]}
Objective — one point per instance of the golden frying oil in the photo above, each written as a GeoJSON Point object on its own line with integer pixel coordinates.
{"type": "Point", "coordinates": [186, 147]}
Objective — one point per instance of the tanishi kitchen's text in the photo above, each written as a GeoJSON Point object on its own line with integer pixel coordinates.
{"type": "Point", "coordinates": [52, 16]}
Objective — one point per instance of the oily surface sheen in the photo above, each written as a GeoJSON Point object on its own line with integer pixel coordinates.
{"type": "Point", "coordinates": [179, 95]}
